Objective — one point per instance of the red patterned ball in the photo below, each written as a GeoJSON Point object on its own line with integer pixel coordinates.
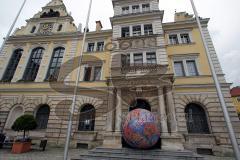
{"type": "Point", "coordinates": [140, 129]}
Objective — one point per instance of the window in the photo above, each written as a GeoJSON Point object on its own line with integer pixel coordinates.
{"type": "Point", "coordinates": [55, 64]}
{"type": "Point", "coordinates": [192, 68]}
{"type": "Point", "coordinates": [87, 118]}
{"type": "Point", "coordinates": [125, 10]}
{"type": "Point", "coordinates": [186, 67]}
{"type": "Point", "coordinates": [151, 58]}
{"type": "Point", "coordinates": [136, 30]}
{"type": "Point", "coordinates": [146, 7]}
{"type": "Point", "coordinates": [148, 30]}
{"type": "Point", "coordinates": [42, 116]}
{"type": "Point", "coordinates": [33, 65]}
{"type": "Point", "coordinates": [125, 32]}
{"type": "Point", "coordinates": [100, 46]}
{"type": "Point", "coordinates": [185, 38]}
{"type": "Point", "coordinates": [12, 65]}
{"type": "Point", "coordinates": [97, 73]}
{"type": "Point", "coordinates": [135, 9]}
{"type": "Point", "coordinates": [196, 119]}
{"type": "Point", "coordinates": [60, 27]}
{"type": "Point", "coordinates": [125, 60]}
{"type": "Point", "coordinates": [33, 29]}
{"type": "Point", "coordinates": [173, 39]}
{"type": "Point", "coordinates": [138, 58]}
{"type": "Point", "coordinates": [87, 74]}
{"type": "Point", "coordinates": [179, 69]}
{"type": "Point", "coordinates": [90, 47]}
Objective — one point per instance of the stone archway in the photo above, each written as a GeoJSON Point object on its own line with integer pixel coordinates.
{"type": "Point", "coordinates": [140, 104]}
{"type": "Point", "coordinates": [16, 112]}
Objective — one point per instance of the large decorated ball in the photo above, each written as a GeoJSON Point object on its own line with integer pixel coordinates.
{"type": "Point", "coordinates": [140, 129]}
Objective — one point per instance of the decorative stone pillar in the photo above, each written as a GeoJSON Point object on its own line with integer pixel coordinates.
{"type": "Point", "coordinates": [162, 108]}
{"type": "Point", "coordinates": [110, 110]}
{"type": "Point", "coordinates": [113, 138]}
{"type": "Point", "coordinates": [172, 112]}
{"type": "Point", "coordinates": [118, 115]}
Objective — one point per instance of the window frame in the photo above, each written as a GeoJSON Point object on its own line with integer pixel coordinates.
{"type": "Point", "coordinates": [186, 71]}
{"type": "Point", "coordinates": [146, 9]}
{"type": "Point", "coordinates": [135, 9]}
{"type": "Point", "coordinates": [180, 40]}
{"type": "Point", "coordinates": [102, 47]}
{"type": "Point", "coordinates": [151, 58]}
{"type": "Point", "coordinates": [125, 35]}
{"type": "Point", "coordinates": [92, 48]}
{"type": "Point", "coordinates": [171, 39]}
{"type": "Point", "coordinates": [62, 49]}
{"type": "Point", "coordinates": [14, 62]}
{"type": "Point", "coordinates": [125, 10]}
{"type": "Point", "coordinates": [27, 74]}
{"type": "Point", "coordinates": [147, 29]}
{"type": "Point", "coordinates": [137, 32]}
{"type": "Point", "coordinates": [134, 58]}
{"type": "Point", "coordinates": [84, 117]}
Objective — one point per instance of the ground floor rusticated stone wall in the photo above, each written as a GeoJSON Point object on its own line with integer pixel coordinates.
{"type": "Point", "coordinates": [113, 104]}
{"type": "Point", "coordinates": [218, 138]}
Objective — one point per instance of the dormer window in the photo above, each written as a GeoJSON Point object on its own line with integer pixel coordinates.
{"type": "Point", "coordinates": [59, 28]}
{"type": "Point", "coordinates": [33, 29]}
{"type": "Point", "coordinates": [135, 9]}
{"type": "Point", "coordinates": [146, 7]}
{"type": "Point", "coordinates": [125, 10]}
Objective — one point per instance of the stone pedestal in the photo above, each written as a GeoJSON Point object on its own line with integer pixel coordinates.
{"type": "Point", "coordinates": [172, 143]}
{"type": "Point", "coordinates": [112, 140]}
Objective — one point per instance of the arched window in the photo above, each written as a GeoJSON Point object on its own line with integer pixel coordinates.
{"type": "Point", "coordinates": [87, 118]}
{"type": "Point", "coordinates": [196, 119]}
{"type": "Point", "coordinates": [33, 65]}
{"type": "Point", "coordinates": [13, 115]}
{"type": "Point", "coordinates": [140, 104]}
{"type": "Point", "coordinates": [42, 116]}
{"type": "Point", "coordinates": [55, 64]}
{"type": "Point", "coordinates": [12, 65]}
{"type": "Point", "coordinates": [60, 27]}
{"type": "Point", "coordinates": [33, 29]}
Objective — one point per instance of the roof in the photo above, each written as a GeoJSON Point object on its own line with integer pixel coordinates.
{"type": "Point", "coordinates": [235, 91]}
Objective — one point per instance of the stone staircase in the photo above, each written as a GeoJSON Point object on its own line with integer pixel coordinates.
{"type": "Point", "coordinates": [133, 154]}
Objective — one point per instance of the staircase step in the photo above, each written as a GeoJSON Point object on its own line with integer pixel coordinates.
{"type": "Point", "coordinates": [132, 154]}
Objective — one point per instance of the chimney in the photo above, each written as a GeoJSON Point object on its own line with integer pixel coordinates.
{"type": "Point", "coordinates": [98, 26]}
{"type": "Point", "coordinates": [182, 16]}
{"type": "Point", "coordinates": [79, 27]}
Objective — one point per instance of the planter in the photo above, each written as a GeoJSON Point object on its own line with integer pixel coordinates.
{"type": "Point", "coordinates": [21, 147]}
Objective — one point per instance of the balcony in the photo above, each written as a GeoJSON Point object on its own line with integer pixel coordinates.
{"type": "Point", "coordinates": [143, 68]}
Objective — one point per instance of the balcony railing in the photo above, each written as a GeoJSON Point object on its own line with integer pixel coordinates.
{"type": "Point", "coordinates": [127, 68]}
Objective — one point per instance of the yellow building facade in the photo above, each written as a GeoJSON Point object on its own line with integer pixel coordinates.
{"type": "Point", "coordinates": [140, 63]}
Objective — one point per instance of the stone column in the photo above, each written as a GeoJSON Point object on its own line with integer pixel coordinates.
{"type": "Point", "coordinates": [172, 112]}
{"type": "Point", "coordinates": [110, 110]}
{"type": "Point", "coordinates": [162, 108]}
{"type": "Point", "coordinates": [118, 115]}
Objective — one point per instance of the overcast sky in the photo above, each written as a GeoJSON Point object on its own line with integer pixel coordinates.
{"type": "Point", "coordinates": [224, 25]}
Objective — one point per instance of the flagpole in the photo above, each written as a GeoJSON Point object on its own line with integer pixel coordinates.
{"type": "Point", "coordinates": [11, 28]}
{"type": "Point", "coordinates": [218, 87]}
{"type": "Point", "coordinates": [76, 86]}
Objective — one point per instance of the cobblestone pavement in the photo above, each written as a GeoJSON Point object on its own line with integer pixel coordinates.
{"type": "Point", "coordinates": [49, 154]}
{"type": "Point", "coordinates": [57, 154]}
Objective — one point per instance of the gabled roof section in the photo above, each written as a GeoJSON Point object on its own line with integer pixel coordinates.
{"type": "Point", "coordinates": [55, 8]}
{"type": "Point", "coordinates": [55, 3]}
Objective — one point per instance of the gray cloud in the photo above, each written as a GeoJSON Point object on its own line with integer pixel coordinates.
{"type": "Point", "coordinates": [224, 24]}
